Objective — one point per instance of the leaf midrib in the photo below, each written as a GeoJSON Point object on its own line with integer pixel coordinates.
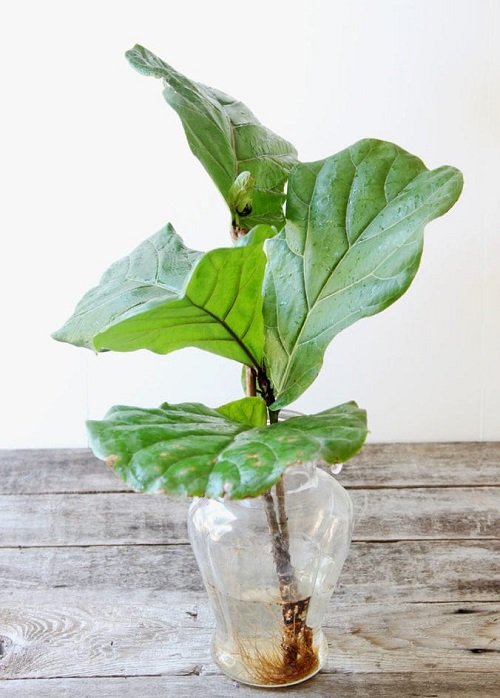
{"type": "Point", "coordinates": [228, 329]}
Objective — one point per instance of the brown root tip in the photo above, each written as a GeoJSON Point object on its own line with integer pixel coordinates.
{"type": "Point", "coordinates": [290, 661]}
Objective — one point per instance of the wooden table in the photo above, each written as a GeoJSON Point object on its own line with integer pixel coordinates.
{"type": "Point", "coordinates": [100, 594]}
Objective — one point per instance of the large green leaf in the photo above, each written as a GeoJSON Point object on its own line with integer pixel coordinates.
{"type": "Point", "coordinates": [155, 271]}
{"type": "Point", "coordinates": [226, 137]}
{"type": "Point", "coordinates": [351, 247]}
{"type": "Point", "coordinates": [164, 297]}
{"type": "Point", "coordinates": [194, 450]}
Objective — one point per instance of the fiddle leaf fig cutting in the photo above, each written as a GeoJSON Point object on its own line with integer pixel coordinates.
{"type": "Point", "coordinates": [343, 243]}
{"type": "Point", "coordinates": [194, 450]}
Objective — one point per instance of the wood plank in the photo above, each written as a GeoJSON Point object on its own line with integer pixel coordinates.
{"type": "Point", "coordinates": [99, 519]}
{"type": "Point", "coordinates": [424, 465]}
{"type": "Point", "coordinates": [37, 471]}
{"type": "Point", "coordinates": [396, 685]}
{"type": "Point", "coordinates": [378, 465]}
{"type": "Point", "coordinates": [414, 615]}
{"type": "Point", "coordinates": [427, 513]}
{"type": "Point", "coordinates": [128, 518]}
{"type": "Point", "coordinates": [432, 571]}
{"type": "Point", "coordinates": [116, 637]}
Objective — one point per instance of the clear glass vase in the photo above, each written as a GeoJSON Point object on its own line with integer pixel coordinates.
{"type": "Point", "coordinates": [270, 565]}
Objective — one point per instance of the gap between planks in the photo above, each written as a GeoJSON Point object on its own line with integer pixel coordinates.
{"type": "Point", "coordinates": [438, 685]}
{"type": "Point", "coordinates": [471, 485]}
{"type": "Point", "coordinates": [174, 544]}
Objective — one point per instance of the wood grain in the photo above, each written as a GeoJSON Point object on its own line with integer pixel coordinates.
{"type": "Point", "coordinates": [121, 638]}
{"type": "Point", "coordinates": [131, 518]}
{"type": "Point", "coordinates": [100, 595]}
{"type": "Point", "coordinates": [394, 685]}
{"type": "Point", "coordinates": [378, 465]}
{"type": "Point", "coordinates": [55, 471]}
{"type": "Point", "coordinates": [424, 465]}
{"type": "Point", "coordinates": [430, 571]}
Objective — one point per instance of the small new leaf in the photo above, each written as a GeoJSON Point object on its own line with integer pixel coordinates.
{"type": "Point", "coordinates": [194, 450]}
{"type": "Point", "coordinates": [240, 197]}
{"type": "Point", "coordinates": [250, 411]}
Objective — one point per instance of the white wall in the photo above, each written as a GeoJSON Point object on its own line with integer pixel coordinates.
{"type": "Point", "coordinates": [93, 161]}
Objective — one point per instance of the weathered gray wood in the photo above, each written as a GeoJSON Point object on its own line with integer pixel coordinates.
{"type": "Point", "coordinates": [378, 465]}
{"type": "Point", "coordinates": [424, 465]}
{"type": "Point", "coordinates": [105, 568]}
{"type": "Point", "coordinates": [394, 685]}
{"type": "Point", "coordinates": [62, 470]}
{"type": "Point", "coordinates": [123, 638]}
{"type": "Point", "coordinates": [416, 614]}
{"type": "Point", "coordinates": [430, 571]}
{"type": "Point", "coordinates": [98, 519]}
{"type": "Point", "coordinates": [427, 513]}
{"type": "Point", "coordinates": [127, 518]}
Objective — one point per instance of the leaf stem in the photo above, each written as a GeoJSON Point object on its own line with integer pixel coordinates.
{"type": "Point", "coordinates": [250, 382]}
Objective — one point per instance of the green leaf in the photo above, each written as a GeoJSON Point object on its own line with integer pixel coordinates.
{"type": "Point", "coordinates": [154, 272]}
{"type": "Point", "coordinates": [219, 310]}
{"type": "Point", "coordinates": [351, 247]}
{"type": "Point", "coordinates": [194, 450]}
{"type": "Point", "coordinates": [250, 411]}
{"type": "Point", "coordinates": [226, 137]}
{"type": "Point", "coordinates": [164, 297]}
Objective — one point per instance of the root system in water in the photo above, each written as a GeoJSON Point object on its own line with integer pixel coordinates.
{"type": "Point", "coordinates": [265, 641]}
{"type": "Point", "coordinates": [289, 661]}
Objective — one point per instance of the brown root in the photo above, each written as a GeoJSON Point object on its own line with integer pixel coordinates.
{"type": "Point", "coordinates": [290, 661]}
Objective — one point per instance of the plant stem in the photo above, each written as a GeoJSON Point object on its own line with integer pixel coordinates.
{"type": "Point", "coordinates": [282, 517]}
{"type": "Point", "coordinates": [278, 524]}
{"type": "Point", "coordinates": [297, 636]}
{"type": "Point", "coordinates": [251, 382]}
{"type": "Point", "coordinates": [281, 552]}
{"type": "Point", "coordinates": [297, 641]}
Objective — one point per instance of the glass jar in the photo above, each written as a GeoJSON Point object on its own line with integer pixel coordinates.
{"type": "Point", "coordinates": [270, 565]}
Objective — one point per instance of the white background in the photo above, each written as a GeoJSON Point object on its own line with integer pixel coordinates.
{"type": "Point", "coordinates": [93, 161]}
